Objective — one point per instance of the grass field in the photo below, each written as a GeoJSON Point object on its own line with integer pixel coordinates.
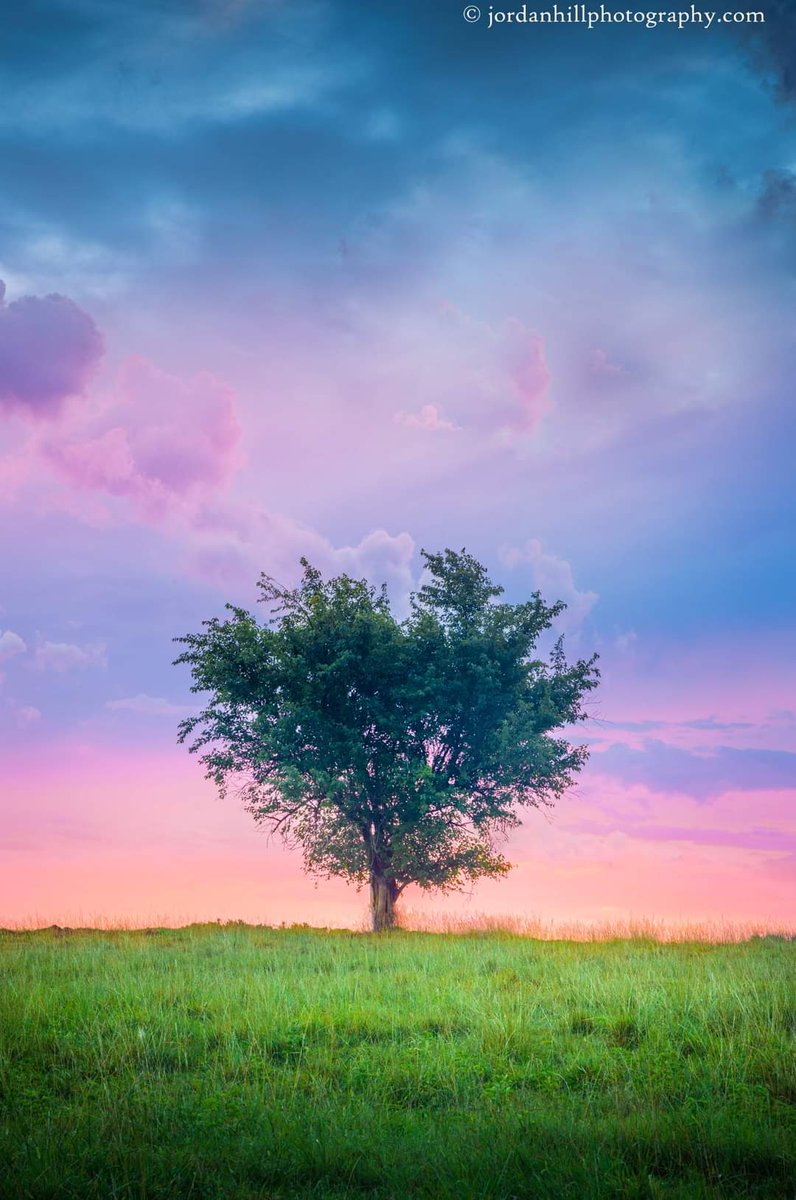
{"type": "Point", "coordinates": [244, 1062]}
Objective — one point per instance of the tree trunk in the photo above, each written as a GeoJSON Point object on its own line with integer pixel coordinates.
{"type": "Point", "coordinates": [383, 894]}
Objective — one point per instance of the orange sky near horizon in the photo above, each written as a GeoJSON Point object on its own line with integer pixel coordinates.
{"type": "Point", "coordinates": [160, 847]}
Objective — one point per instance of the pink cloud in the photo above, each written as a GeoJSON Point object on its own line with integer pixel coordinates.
{"type": "Point", "coordinates": [529, 377]}
{"type": "Point", "coordinates": [164, 442]}
{"type": "Point", "coordinates": [49, 348]}
{"type": "Point", "coordinates": [495, 377]}
{"type": "Point", "coordinates": [428, 418]}
{"type": "Point", "coordinates": [183, 433]}
{"type": "Point", "coordinates": [104, 463]}
{"type": "Point", "coordinates": [16, 469]}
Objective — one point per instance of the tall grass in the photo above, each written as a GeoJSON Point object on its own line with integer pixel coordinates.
{"type": "Point", "coordinates": [241, 1062]}
{"type": "Point", "coordinates": [714, 931]}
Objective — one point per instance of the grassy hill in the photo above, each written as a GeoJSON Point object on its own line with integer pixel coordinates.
{"type": "Point", "coordinates": [244, 1062]}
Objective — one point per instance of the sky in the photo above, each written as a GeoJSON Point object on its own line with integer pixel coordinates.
{"type": "Point", "coordinates": [346, 280]}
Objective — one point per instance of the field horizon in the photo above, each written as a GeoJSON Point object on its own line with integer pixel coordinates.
{"type": "Point", "coordinates": [716, 931]}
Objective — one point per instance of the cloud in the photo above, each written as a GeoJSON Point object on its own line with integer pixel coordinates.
{"type": "Point", "coordinates": [708, 724]}
{"type": "Point", "coordinates": [529, 378]}
{"type": "Point", "coordinates": [494, 378]}
{"type": "Point", "coordinates": [164, 444]}
{"type": "Point", "coordinates": [776, 37]}
{"type": "Point", "coordinates": [381, 557]}
{"type": "Point", "coordinates": [428, 418]}
{"type": "Point", "coordinates": [712, 723]}
{"type": "Point", "coordinates": [17, 716]}
{"type": "Point", "coordinates": [11, 644]}
{"type": "Point", "coordinates": [234, 90]}
{"type": "Point", "coordinates": [149, 706]}
{"type": "Point", "coordinates": [778, 196]}
{"type": "Point", "coordinates": [662, 767]}
{"type": "Point", "coordinates": [625, 642]}
{"type": "Point", "coordinates": [64, 656]}
{"type": "Point", "coordinates": [602, 366]}
{"type": "Point", "coordinates": [233, 543]}
{"type": "Point", "coordinates": [768, 840]}
{"type": "Point", "coordinates": [49, 349]}
{"type": "Point", "coordinates": [554, 578]}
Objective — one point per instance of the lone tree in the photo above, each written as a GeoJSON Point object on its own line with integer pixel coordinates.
{"type": "Point", "coordinates": [392, 752]}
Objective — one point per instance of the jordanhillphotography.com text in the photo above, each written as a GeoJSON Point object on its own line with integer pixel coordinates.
{"type": "Point", "coordinates": [585, 14]}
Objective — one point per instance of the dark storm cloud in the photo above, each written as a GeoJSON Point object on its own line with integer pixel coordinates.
{"type": "Point", "coordinates": [774, 43]}
{"type": "Point", "coordinates": [778, 196]}
{"type": "Point", "coordinates": [256, 112]}
{"type": "Point", "coordinates": [48, 350]}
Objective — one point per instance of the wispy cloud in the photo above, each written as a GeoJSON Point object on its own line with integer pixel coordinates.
{"type": "Point", "coordinates": [66, 656]}
{"type": "Point", "coordinates": [149, 706]}
{"type": "Point", "coordinates": [11, 645]}
{"type": "Point", "coordinates": [428, 418]}
{"type": "Point", "coordinates": [701, 774]}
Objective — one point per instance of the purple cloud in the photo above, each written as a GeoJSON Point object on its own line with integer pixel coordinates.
{"type": "Point", "coordinates": [662, 767]}
{"type": "Point", "coordinates": [755, 838]}
{"type": "Point", "coordinates": [48, 351]}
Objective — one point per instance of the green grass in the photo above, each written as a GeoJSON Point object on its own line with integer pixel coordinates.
{"type": "Point", "coordinates": [244, 1062]}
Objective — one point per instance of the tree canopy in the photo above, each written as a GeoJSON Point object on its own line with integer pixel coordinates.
{"type": "Point", "coordinates": [391, 752]}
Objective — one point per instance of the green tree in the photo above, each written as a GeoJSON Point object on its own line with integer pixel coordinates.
{"type": "Point", "coordinates": [392, 752]}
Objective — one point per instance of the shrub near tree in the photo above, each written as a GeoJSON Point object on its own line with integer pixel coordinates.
{"type": "Point", "coordinates": [391, 752]}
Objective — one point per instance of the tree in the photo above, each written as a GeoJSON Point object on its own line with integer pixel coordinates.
{"type": "Point", "coordinates": [392, 752]}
